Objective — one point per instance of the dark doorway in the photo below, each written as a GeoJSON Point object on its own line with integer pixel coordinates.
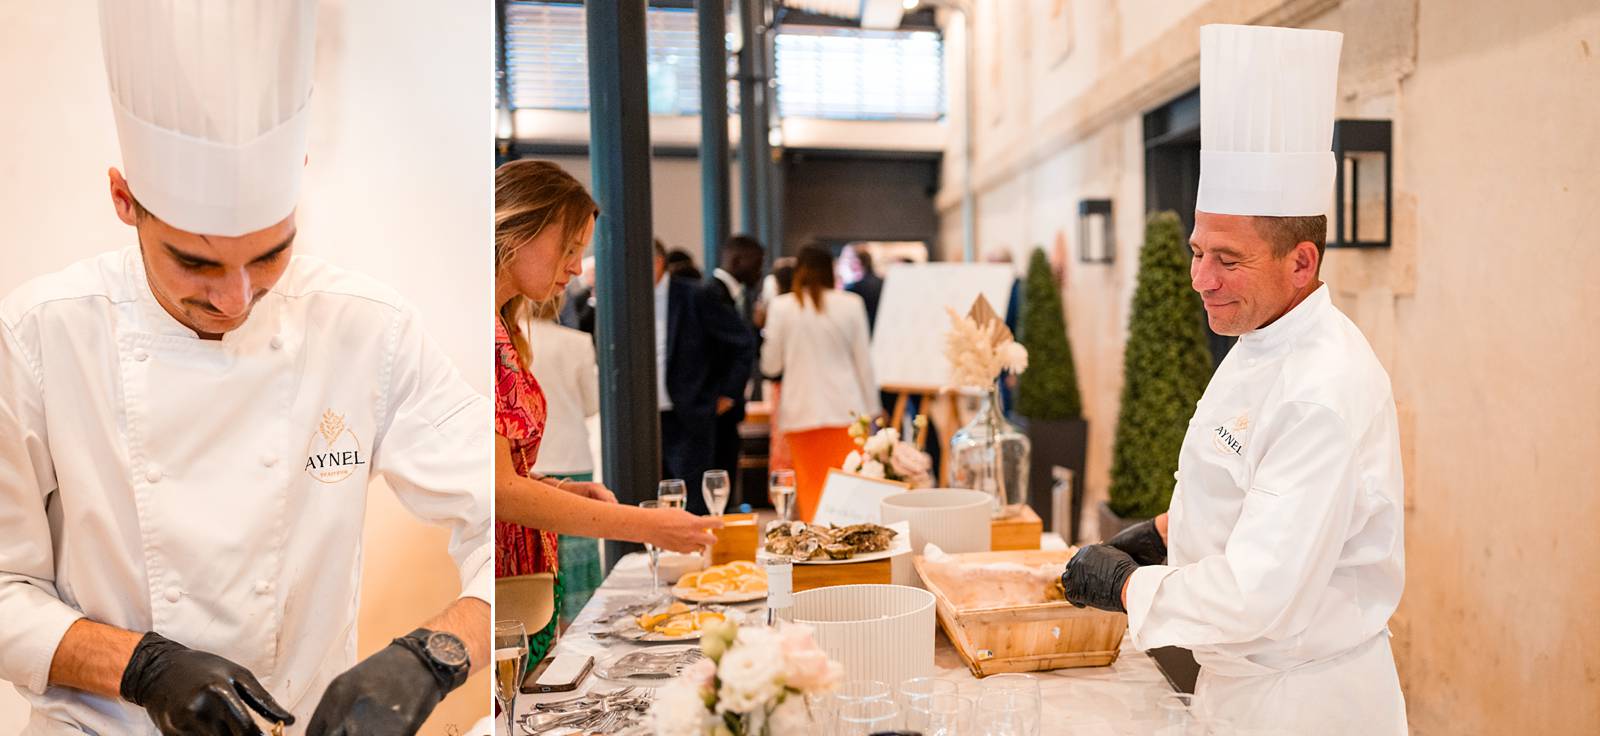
{"type": "Point", "coordinates": [1172, 175]}
{"type": "Point", "coordinates": [833, 197]}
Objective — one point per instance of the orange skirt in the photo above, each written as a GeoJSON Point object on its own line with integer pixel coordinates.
{"type": "Point", "coordinates": [814, 452]}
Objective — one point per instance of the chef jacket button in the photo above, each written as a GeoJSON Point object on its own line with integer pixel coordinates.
{"type": "Point", "coordinates": [1251, 362]}
{"type": "Point", "coordinates": [153, 474]}
{"type": "Point", "coordinates": [173, 594]}
{"type": "Point", "coordinates": [276, 343]}
{"type": "Point", "coordinates": [141, 356]}
{"type": "Point", "coordinates": [263, 587]}
{"type": "Point", "coordinates": [269, 460]}
{"type": "Point", "coordinates": [1174, 475]}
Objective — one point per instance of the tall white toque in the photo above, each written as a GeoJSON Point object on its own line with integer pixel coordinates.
{"type": "Point", "coordinates": [211, 106]}
{"type": "Point", "coordinates": [1266, 120]}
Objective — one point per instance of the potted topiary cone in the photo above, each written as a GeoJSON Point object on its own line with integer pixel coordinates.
{"type": "Point", "coordinates": [1165, 369]}
{"type": "Point", "coordinates": [1047, 396]}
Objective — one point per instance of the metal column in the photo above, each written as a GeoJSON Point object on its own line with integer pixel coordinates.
{"type": "Point", "coordinates": [755, 156]}
{"type": "Point", "coordinates": [619, 152]}
{"type": "Point", "coordinates": [713, 127]}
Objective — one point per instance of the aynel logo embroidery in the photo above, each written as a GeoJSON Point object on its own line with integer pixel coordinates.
{"type": "Point", "coordinates": [334, 453]}
{"type": "Point", "coordinates": [1230, 437]}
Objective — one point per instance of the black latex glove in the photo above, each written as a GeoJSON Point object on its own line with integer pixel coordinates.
{"type": "Point", "coordinates": [387, 694]}
{"type": "Point", "coordinates": [189, 692]}
{"type": "Point", "coordinates": [1095, 576]}
{"type": "Point", "coordinates": [1142, 542]}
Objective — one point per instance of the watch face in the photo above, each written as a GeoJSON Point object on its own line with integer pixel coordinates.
{"type": "Point", "coordinates": [446, 649]}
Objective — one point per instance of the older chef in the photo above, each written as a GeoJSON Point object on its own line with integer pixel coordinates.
{"type": "Point", "coordinates": [1282, 550]}
{"type": "Point", "coordinates": [188, 427]}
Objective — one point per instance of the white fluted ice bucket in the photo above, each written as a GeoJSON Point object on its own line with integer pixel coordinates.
{"type": "Point", "coordinates": [956, 520]}
{"type": "Point", "coordinates": [878, 632]}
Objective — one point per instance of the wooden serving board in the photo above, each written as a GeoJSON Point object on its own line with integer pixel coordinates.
{"type": "Point", "coordinates": [1019, 532]}
{"type": "Point", "coordinates": [736, 540]}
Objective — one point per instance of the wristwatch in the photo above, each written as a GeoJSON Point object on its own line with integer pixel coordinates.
{"type": "Point", "coordinates": [444, 653]}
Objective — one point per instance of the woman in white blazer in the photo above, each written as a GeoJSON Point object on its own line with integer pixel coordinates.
{"type": "Point", "coordinates": [816, 341]}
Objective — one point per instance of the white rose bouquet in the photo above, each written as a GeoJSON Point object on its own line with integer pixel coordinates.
{"type": "Point", "coordinates": [754, 681]}
{"type": "Point", "coordinates": [883, 454]}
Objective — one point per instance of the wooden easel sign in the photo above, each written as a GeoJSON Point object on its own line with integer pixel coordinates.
{"type": "Point", "coordinates": [849, 498]}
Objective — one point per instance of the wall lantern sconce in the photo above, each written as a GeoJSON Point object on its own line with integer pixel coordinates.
{"type": "Point", "coordinates": [1096, 243]}
{"type": "Point", "coordinates": [1363, 191]}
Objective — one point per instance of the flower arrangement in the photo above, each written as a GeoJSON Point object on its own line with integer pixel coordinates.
{"type": "Point", "coordinates": [979, 347]}
{"type": "Point", "coordinates": [883, 454]}
{"type": "Point", "coordinates": [753, 681]}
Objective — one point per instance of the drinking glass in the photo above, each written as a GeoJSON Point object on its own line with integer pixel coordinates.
{"type": "Point", "coordinates": [941, 714]}
{"type": "Point", "coordinates": [715, 489]}
{"type": "Point", "coordinates": [655, 554]}
{"type": "Point", "coordinates": [1016, 682]}
{"type": "Point", "coordinates": [1177, 715]}
{"type": "Point", "coordinates": [1008, 713]}
{"type": "Point", "coordinates": [914, 691]}
{"type": "Point", "coordinates": [856, 691]}
{"type": "Point", "coordinates": [510, 659]}
{"type": "Point", "coordinates": [865, 717]}
{"type": "Point", "coordinates": [672, 493]}
{"type": "Point", "coordinates": [781, 491]}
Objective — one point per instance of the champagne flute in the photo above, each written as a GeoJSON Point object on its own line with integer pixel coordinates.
{"type": "Point", "coordinates": [781, 491]}
{"type": "Point", "coordinates": [672, 493]}
{"type": "Point", "coordinates": [510, 659]}
{"type": "Point", "coordinates": [653, 551]}
{"type": "Point", "coordinates": [714, 486]}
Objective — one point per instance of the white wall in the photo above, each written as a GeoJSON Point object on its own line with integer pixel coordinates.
{"type": "Point", "coordinates": [398, 186]}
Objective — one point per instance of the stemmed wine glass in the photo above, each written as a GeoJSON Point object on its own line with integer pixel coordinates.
{"type": "Point", "coordinates": [781, 491]}
{"type": "Point", "coordinates": [510, 659]}
{"type": "Point", "coordinates": [672, 493]}
{"type": "Point", "coordinates": [714, 486]}
{"type": "Point", "coordinates": [654, 552]}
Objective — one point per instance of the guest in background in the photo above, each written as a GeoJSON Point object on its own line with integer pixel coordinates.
{"type": "Point", "coordinates": [816, 339]}
{"type": "Point", "coordinates": [704, 355]}
{"type": "Point", "coordinates": [733, 283]}
{"type": "Point", "coordinates": [867, 285]}
{"type": "Point", "coordinates": [564, 366]}
{"type": "Point", "coordinates": [680, 264]}
{"type": "Point", "coordinates": [577, 308]}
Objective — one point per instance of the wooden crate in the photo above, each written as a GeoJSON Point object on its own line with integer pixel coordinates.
{"type": "Point", "coordinates": [1019, 532]}
{"type": "Point", "coordinates": [1044, 636]}
{"type": "Point", "coordinates": [807, 577]}
{"type": "Point", "coordinates": [736, 540]}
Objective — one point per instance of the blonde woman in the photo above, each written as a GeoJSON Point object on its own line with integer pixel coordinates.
{"type": "Point", "coordinates": [543, 221]}
{"type": "Point", "coordinates": [816, 340]}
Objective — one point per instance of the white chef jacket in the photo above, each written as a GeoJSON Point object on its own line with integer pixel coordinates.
{"type": "Point", "coordinates": [214, 491]}
{"type": "Point", "coordinates": [1285, 538]}
{"type": "Point", "coordinates": [564, 365]}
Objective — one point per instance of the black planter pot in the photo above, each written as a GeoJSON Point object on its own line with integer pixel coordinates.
{"type": "Point", "coordinates": [1056, 442]}
{"type": "Point", "coordinates": [1110, 523]}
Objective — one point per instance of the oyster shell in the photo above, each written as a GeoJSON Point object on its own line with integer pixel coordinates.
{"type": "Point", "coordinates": [803, 541]}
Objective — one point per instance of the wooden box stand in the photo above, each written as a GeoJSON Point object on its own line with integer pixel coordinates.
{"type": "Point", "coordinates": [1018, 532]}
{"type": "Point", "coordinates": [807, 577]}
{"type": "Point", "coordinates": [736, 540]}
{"type": "Point", "coordinates": [1027, 638]}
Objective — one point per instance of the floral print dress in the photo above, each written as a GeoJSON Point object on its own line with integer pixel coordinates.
{"type": "Point", "coordinates": [519, 416]}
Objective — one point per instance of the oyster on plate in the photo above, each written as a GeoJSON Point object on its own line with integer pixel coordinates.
{"type": "Point", "coordinates": [803, 541]}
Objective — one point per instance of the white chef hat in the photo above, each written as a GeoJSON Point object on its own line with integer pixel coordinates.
{"type": "Point", "coordinates": [211, 106]}
{"type": "Point", "coordinates": [1266, 120]}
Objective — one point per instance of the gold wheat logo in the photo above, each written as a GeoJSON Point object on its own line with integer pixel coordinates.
{"type": "Point", "coordinates": [332, 426]}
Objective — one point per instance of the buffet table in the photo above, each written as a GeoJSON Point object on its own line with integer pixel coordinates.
{"type": "Point", "coordinates": [1093, 701]}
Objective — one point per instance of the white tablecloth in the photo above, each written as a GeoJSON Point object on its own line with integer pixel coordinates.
{"type": "Point", "coordinates": [1092, 701]}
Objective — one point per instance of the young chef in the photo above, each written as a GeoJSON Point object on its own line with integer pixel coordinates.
{"type": "Point", "coordinates": [188, 426]}
{"type": "Point", "coordinates": [1281, 558]}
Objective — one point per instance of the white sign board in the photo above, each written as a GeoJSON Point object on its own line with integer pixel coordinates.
{"type": "Point", "coordinates": [848, 498]}
{"type": "Point", "coordinates": [908, 341]}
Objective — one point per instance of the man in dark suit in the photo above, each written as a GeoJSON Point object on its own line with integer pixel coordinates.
{"type": "Point", "coordinates": [735, 283]}
{"type": "Point", "coordinates": [869, 287]}
{"type": "Point", "coordinates": [704, 355]}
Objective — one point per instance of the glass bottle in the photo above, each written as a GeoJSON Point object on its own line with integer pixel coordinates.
{"type": "Point", "coordinates": [989, 454]}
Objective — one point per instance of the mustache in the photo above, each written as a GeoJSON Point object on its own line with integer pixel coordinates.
{"type": "Point", "coordinates": [212, 310]}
